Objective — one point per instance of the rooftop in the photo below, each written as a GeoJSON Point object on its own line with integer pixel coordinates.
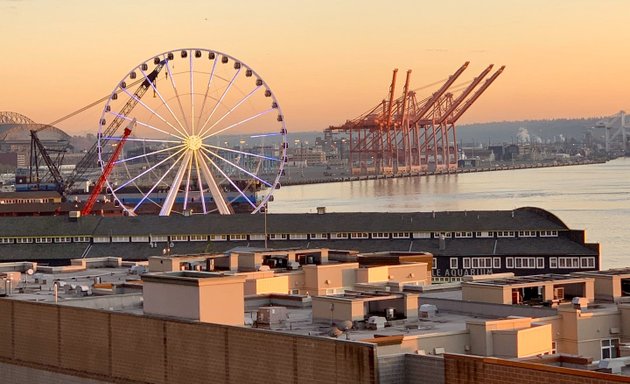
{"type": "Point", "coordinates": [520, 280]}
{"type": "Point", "coordinates": [518, 219]}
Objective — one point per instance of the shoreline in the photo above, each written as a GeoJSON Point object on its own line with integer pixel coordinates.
{"type": "Point", "coordinates": [497, 167]}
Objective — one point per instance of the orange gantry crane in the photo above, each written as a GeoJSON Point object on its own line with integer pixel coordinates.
{"type": "Point", "coordinates": [89, 204]}
{"type": "Point", "coordinates": [407, 135]}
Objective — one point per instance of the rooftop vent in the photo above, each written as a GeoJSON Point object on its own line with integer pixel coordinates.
{"type": "Point", "coordinates": [580, 302]}
{"type": "Point", "coordinates": [74, 215]}
{"type": "Point", "coordinates": [321, 210]}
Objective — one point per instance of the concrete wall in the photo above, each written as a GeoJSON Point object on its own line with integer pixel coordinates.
{"type": "Point", "coordinates": [319, 278]}
{"type": "Point", "coordinates": [482, 339]}
{"type": "Point", "coordinates": [607, 287]}
{"type": "Point", "coordinates": [453, 342]}
{"type": "Point", "coordinates": [486, 294]}
{"type": "Point", "coordinates": [592, 327]}
{"type": "Point", "coordinates": [409, 273]}
{"type": "Point", "coordinates": [625, 320]}
{"type": "Point", "coordinates": [582, 331]}
{"type": "Point", "coordinates": [568, 339]}
{"type": "Point", "coordinates": [461, 369]}
{"type": "Point", "coordinates": [372, 274]}
{"type": "Point", "coordinates": [327, 309]}
{"type": "Point", "coordinates": [117, 347]}
{"type": "Point", "coordinates": [163, 264]}
{"type": "Point", "coordinates": [483, 309]}
{"type": "Point", "coordinates": [222, 303]}
{"type": "Point", "coordinates": [401, 273]}
{"type": "Point", "coordinates": [276, 284]}
{"type": "Point", "coordinates": [126, 300]}
{"type": "Point", "coordinates": [522, 342]}
{"type": "Point", "coordinates": [171, 300]}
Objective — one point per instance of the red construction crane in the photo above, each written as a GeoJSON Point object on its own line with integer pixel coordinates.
{"type": "Point", "coordinates": [87, 208]}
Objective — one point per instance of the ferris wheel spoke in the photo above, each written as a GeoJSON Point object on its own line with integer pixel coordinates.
{"type": "Point", "coordinates": [189, 166]}
{"type": "Point", "coordinates": [241, 152]}
{"type": "Point", "coordinates": [265, 135]}
{"type": "Point", "coordinates": [153, 111]}
{"type": "Point", "coordinates": [147, 125]}
{"type": "Point", "coordinates": [174, 189]}
{"type": "Point", "coordinates": [147, 154]}
{"type": "Point", "coordinates": [216, 105]}
{"type": "Point", "coordinates": [215, 190]}
{"type": "Point", "coordinates": [119, 138]}
{"type": "Point", "coordinates": [200, 183]}
{"type": "Point", "coordinates": [148, 170]}
{"type": "Point", "coordinates": [163, 101]}
{"type": "Point", "coordinates": [259, 114]}
{"type": "Point", "coordinates": [244, 99]}
{"type": "Point", "coordinates": [240, 191]}
{"type": "Point", "coordinates": [192, 95]}
{"type": "Point", "coordinates": [145, 196]}
{"type": "Point", "coordinates": [179, 101]}
{"type": "Point", "coordinates": [205, 96]}
{"type": "Point", "coordinates": [237, 167]}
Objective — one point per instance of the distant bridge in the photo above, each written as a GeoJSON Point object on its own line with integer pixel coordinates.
{"type": "Point", "coordinates": [617, 132]}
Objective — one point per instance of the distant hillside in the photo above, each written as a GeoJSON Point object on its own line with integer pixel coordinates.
{"type": "Point", "coordinates": [508, 131]}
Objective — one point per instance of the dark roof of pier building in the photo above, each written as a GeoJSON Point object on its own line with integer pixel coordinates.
{"type": "Point", "coordinates": [516, 220]}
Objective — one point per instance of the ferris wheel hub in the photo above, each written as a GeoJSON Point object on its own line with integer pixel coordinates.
{"type": "Point", "coordinates": [193, 142]}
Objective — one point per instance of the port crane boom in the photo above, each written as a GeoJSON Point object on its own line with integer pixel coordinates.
{"type": "Point", "coordinates": [475, 96]}
{"type": "Point", "coordinates": [90, 159]}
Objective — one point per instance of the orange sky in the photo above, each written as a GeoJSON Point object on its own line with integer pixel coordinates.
{"type": "Point", "coordinates": [327, 61]}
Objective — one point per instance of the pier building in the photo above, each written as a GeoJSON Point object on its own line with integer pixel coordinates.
{"type": "Point", "coordinates": [523, 241]}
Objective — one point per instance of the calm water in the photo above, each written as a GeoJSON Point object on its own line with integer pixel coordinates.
{"type": "Point", "coordinates": [591, 197]}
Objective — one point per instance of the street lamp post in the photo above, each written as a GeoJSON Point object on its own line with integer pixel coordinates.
{"type": "Point", "coordinates": [266, 208]}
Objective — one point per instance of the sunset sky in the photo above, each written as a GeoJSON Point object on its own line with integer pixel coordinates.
{"type": "Point", "coordinates": [326, 61]}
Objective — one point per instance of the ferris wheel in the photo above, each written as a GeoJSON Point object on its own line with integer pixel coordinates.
{"type": "Point", "coordinates": [204, 133]}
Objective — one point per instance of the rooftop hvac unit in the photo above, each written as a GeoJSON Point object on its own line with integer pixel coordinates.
{"type": "Point", "coordinates": [271, 315]}
{"type": "Point", "coordinates": [375, 322]}
{"type": "Point", "coordinates": [427, 311]}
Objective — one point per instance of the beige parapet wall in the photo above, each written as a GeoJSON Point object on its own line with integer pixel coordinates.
{"type": "Point", "coordinates": [118, 347]}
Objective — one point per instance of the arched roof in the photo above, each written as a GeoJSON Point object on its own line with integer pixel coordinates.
{"type": "Point", "coordinates": [16, 127]}
{"type": "Point", "coordinates": [7, 117]}
{"type": "Point", "coordinates": [544, 213]}
{"type": "Point", "coordinates": [22, 132]}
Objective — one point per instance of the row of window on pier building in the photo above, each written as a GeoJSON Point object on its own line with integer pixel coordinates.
{"type": "Point", "coordinates": [572, 262]}
{"type": "Point", "coordinates": [274, 236]}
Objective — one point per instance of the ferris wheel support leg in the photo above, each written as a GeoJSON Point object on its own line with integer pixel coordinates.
{"type": "Point", "coordinates": [217, 195]}
{"type": "Point", "coordinates": [172, 193]}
